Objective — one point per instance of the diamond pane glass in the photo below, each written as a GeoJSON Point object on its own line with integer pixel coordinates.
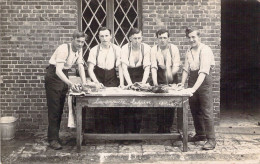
{"type": "Point", "coordinates": [93, 16]}
{"type": "Point", "coordinates": [125, 16]}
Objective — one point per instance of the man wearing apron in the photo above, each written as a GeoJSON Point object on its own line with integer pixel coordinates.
{"type": "Point", "coordinates": [165, 62]}
{"type": "Point", "coordinates": [135, 58]}
{"type": "Point", "coordinates": [102, 62]}
{"type": "Point", "coordinates": [57, 83]}
{"type": "Point", "coordinates": [199, 61]}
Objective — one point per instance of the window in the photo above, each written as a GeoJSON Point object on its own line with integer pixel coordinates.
{"type": "Point", "coordinates": [117, 15]}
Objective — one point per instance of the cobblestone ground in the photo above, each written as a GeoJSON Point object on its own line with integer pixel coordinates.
{"type": "Point", "coordinates": [233, 146]}
{"type": "Point", "coordinates": [238, 142]}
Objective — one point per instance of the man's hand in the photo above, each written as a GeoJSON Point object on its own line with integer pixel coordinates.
{"type": "Point", "coordinates": [99, 85]}
{"type": "Point", "coordinates": [180, 86]}
{"type": "Point", "coordinates": [191, 90]}
{"type": "Point", "coordinates": [75, 87]}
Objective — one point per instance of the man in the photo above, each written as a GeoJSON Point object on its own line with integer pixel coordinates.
{"type": "Point", "coordinates": [198, 65]}
{"type": "Point", "coordinates": [135, 57]}
{"type": "Point", "coordinates": [165, 62]}
{"type": "Point", "coordinates": [57, 82]}
{"type": "Point", "coordinates": [102, 62]}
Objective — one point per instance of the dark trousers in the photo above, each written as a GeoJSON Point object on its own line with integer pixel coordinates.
{"type": "Point", "coordinates": [201, 105]}
{"type": "Point", "coordinates": [56, 91]}
{"type": "Point", "coordinates": [165, 115]}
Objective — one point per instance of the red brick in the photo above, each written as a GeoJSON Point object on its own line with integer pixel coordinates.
{"type": "Point", "coordinates": [29, 37]}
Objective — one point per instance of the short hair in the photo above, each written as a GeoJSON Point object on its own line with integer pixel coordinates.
{"type": "Point", "coordinates": [190, 30]}
{"type": "Point", "coordinates": [79, 34]}
{"type": "Point", "coordinates": [103, 29]}
{"type": "Point", "coordinates": [134, 31]}
{"type": "Point", "coordinates": [162, 31]}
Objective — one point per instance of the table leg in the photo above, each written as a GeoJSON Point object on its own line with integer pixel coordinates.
{"type": "Point", "coordinates": [79, 127]}
{"type": "Point", "coordinates": [185, 125]}
{"type": "Point", "coordinates": [179, 119]}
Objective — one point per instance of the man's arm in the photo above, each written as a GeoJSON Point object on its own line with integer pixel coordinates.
{"type": "Point", "coordinates": [199, 81]}
{"type": "Point", "coordinates": [175, 60]}
{"type": "Point", "coordinates": [91, 72]}
{"type": "Point", "coordinates": [61, 75]}
{"type": "Point", "coordinates": [146, 74]}
{"type": "Point", "coordinates": [126, 74]}
{"type": "Point", "coordinates": [184, 77]}
{"type": "Point", "coordinates": [82, 73]}
{"type": "Point", "coordinates": [121, 76]}
{"type": "Point", "coordinates": [154, 76]}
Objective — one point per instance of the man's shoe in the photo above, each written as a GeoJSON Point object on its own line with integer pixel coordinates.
{"type": "Point", "coordinates": [197, 137]}
{"type": "Point", "coordinates": [54, 144]}
{"type": "Point", "coordinates": [210, 144]}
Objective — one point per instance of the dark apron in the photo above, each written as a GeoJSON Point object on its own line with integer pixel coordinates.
{"type": "Point", "coordinates": [136, 74]}
{"type": "Point", "coordinates": [161, 78]}
{"type": "Point", "coordinates": [105, 115]}
{"type": "Point", "coordinates": [107, 77]}
{"type": "Point", "coordinates": [133, 116]}
{"type": "Point", "coordinates": [165, 115]}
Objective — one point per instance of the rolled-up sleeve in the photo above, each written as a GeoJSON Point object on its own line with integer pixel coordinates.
{"type": "Point", "coordinates": [153, 58]}
{"type": "Point", "coordinates": [176, 56]}
{"type": "Point", "coordinates": [92, 56]}
{"type": "Point", "coordinates": [147, 56]}
{"type": "Point", "coordinates": [186, 66]}
{"type": "Point", "coordinates": [206, 58]}
{"type": "Point", "coordinates": [125, 54]}
{"type": "Point", "coordinates": [80, 59]}
{"type": "Point", "coordinates": [61, 54]}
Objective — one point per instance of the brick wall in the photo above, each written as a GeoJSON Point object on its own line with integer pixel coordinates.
{"type": "Point", "coordinates": [30, 32]}
{"type": "Point", "coordinates": [175, 15]}
{"type": "Point", "coordinates": [32, 29]}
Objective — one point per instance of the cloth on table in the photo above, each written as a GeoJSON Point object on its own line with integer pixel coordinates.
{"type": "Point", "coordinates": [72, 115]}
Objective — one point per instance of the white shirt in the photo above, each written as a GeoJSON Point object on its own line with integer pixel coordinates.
{"type": "Point", "coordinates": [157, 57]}
{"type": "Point", "coordinates": [105, 60]}
{"type": "Point", "coordinates": [144, 59]}
{"type": "Point", "coordinates": [203, 60]}
{"type": "Point", "coordinates": [61, 56]}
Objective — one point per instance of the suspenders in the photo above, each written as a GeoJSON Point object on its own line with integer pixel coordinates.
{"type": "Point", "coordinates": [130, 49]}
{"type": "Point", "coordinates": [69, 53]}
{"type": "Point", "coordinates": [98, 49]}
{"type": "Point", "coordinates": [170, 49]}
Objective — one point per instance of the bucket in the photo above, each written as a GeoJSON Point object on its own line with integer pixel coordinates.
{"type": "Point", "coordinates": [7, 126]}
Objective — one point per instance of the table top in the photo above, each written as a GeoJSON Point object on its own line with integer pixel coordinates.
{"type": "Point", "coordinates": [115, 91]}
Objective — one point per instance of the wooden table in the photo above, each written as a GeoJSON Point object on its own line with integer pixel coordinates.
{"type": "Point", "coordinates": [122, 98]}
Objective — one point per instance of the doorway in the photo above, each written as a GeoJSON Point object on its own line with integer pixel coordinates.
{"type": "Point", "coordinates": [240, 59]}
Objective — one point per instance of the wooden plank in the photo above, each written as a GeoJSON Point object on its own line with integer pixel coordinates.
{"type": "Point", "coordinates": [110, 16]}
{"type": "Point", "coordinates": [131, 101]}
{"type": "Point", "coordinates": [79, 125]}
{"type": "Point", "coordinates": [164, 136]}
{"type": "Point", "coordinates": [185, 125]}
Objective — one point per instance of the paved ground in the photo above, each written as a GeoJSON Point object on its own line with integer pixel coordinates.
{"type": "Point", "coordinates": [238, 141]}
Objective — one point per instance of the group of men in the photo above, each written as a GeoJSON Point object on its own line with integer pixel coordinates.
{"type": "Point", "coordinates": [134, 61]}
